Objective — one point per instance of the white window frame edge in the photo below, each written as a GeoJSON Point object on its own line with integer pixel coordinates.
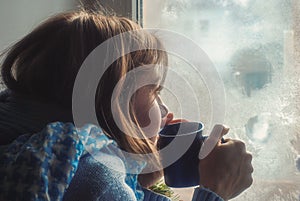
{"type": "Point", "coordinates": [137, 11]}
{"type": "Point", "coordinates": [127, 8]}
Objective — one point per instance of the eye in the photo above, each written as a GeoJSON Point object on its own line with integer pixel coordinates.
{"type": "Point", "coordinates": [152, 92]}
{"type": "Point", "coordinates": [158, 90]}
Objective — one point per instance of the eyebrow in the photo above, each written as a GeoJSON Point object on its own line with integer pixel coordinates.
{"type": "Point", "coordinates": [159, 88]}
{"type": "Point", "coordinates": [154, 87]}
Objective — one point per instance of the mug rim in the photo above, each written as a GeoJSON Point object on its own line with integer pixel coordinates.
{"type": "Point", "coordinates": [184, 134]}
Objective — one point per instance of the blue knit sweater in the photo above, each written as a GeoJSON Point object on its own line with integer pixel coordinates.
{"type": "Point", "coordinates": [54, 164]}
{"type": "Point", "coordinates": [94, 181]}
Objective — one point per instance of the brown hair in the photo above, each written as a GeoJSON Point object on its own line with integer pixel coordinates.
{"type": "Point", "coordinates": [44, 64]}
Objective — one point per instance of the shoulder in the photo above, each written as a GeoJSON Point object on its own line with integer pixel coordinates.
{"type": "Point", "coordinates": [99, 180]}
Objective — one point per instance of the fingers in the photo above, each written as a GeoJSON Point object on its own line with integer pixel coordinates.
{"type": "Point", "coordinates": [242, 186]}
{"type": "Point", "coordinates": [219, 131]}
{"type": "Point", "coordinates": [245, 179]}
{"type": "Point", "coordinates": [229, 167]}
{"type": "Point", "coordinates": [248, 157]}
{"type": "Point", "coordinates": [231, 162]}
{"type": "Point", "coordinates": [225, 130]}
{"type": "Point", "coordinates": [215, 136]}
{"type": "Point", "coordinates": [246, 182]}
{"type": "Point", "coordinates": [246, 168]}
{"type": "Point", "coordinates": [238, 144]}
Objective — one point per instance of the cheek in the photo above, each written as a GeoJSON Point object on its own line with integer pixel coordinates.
{"type": "Point", "coordinates": [151, 121]}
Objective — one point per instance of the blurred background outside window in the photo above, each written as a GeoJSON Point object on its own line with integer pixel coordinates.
{"type": "Point", "coordinates": [254, 45]}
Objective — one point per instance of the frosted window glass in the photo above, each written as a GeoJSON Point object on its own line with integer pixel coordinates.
{"type": "Point", "coordinates": [254, 46]}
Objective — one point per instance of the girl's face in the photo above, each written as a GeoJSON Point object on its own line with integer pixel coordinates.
{"type": "Point", "coordinates": [151, 112]}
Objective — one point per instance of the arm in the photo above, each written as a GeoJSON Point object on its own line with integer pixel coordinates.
{"type": "Point", "coordinates": [200, 194]}
{"type": "Point", "coordinates": [204, 194]}
{"type": "Point", "coordinates": [95, 181]}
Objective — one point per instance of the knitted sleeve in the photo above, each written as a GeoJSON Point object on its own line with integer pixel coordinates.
{"type": "Point", "coordinates": [95, 181]}
{"type": "Point", "coordinates": [203, 194]}
{"type": "Point", "coordinates": [200, 194]}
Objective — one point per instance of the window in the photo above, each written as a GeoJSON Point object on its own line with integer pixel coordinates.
{"type": "Point", "coordinates": [27, 15]}
{"type": "Point", "coordinates": [253, 47]}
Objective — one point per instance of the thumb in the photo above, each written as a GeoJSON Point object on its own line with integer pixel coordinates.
{"type": "Point", "coordinates": [225, 130]}
{"type": "Point", "coordinates": [215, 136]}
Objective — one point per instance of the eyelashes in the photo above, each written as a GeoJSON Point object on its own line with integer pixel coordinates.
{"type": "Point", "coordinates": [159, 89]}
{"type": "Point", "coordinates": [151, 93]}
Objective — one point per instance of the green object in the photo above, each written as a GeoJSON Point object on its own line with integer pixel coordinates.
{"type": "Point", "coordinates": [161, 188]}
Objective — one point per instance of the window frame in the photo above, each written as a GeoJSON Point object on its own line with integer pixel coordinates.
{"type": "Point", "coordinates": [131, 9]}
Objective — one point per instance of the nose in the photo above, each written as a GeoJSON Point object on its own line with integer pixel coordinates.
{"type": "Point", "coordinates": [164, 111]}
{"type": "Point", "coordinates": [166, 116]}
{"type": "Point", "coordinates": [163, 108]}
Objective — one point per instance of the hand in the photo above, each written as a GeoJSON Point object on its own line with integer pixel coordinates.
{"type": "Point", "coordinates": [227, 169]}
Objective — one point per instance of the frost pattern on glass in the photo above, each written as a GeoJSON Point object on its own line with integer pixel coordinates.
{"type": "Point", "coordinates": [253, 44]}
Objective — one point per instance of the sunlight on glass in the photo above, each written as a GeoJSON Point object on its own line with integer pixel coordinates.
{"type": "Point", "coordinates": [243, 3]}
{"type": "Point", "coordinates": [252, 44]}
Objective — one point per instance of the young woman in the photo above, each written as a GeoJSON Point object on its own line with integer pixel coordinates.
{"type": "Point", "coordinates": [53, 160]}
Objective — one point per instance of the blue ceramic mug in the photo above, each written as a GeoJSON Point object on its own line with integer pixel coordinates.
{"type": "Point", "coordinates": [184, 172]}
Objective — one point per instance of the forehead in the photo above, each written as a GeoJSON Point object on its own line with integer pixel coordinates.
{"type": "Point", "coordinates": [149, 76]}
